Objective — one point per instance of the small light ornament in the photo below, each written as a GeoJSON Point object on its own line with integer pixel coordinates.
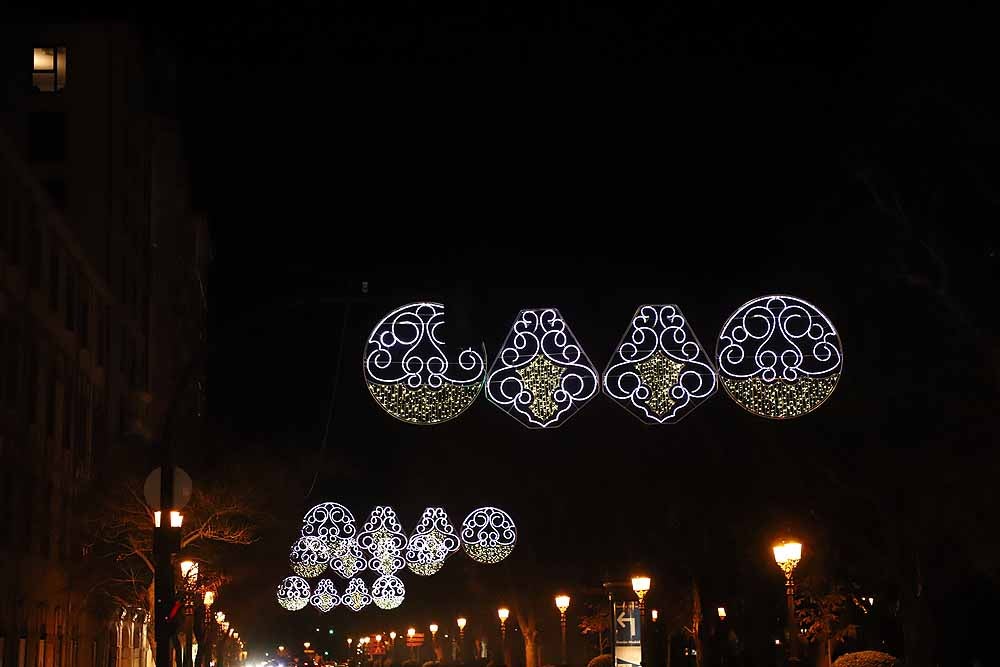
{"type": "Point", "coordinates": [335, 525]}
{"type": "Point", "coordinates": [356, 596]}
{"type": "Point", "coordinates": [431, 542]}
{"type": "Point", "coordinates": [541, 376]}
{"type": "Point", "coordinates": [410, 375]}
{"type": "Point", "coordinates": [488, 535]}
{"type": "Point", "coordinates": [383, 539]}
{"type": "Point", "coordinates": [293, 593]}
{"type": "Point", "coordinates": [659, 372]}
{"type": "Point", "coordinates": [779, 357]}
{"type": "Point", "coordinates": [325, 597]}
{"type": "Point", "coordinates": [388, 592]}
{"type": "Point", "coordinates": [309, 556]}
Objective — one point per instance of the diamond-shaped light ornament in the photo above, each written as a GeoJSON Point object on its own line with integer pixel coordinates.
{"type": "Point", "coordinates": [325, 597]}
{"type": "Point", "coordinates": [388, 592]}
{"type": "Point", "coordinates": [431, 542]}
{"type": "Point", "coordinates": [383, 539]}
{"type": "Point", "coordinates": [293, 593]}
{"type": "Point", "coordinates": [409, 370]}
{"type": "Point", "coordinates": [541, 376]}
{"type": "Point", "coordinates": [346, 557]}
{"type": "Point", "coordinates": [779, 357]}
{"type": "Point", "coordinates": [659, 371]}
{"type": "Point", "coordinates": [356, 596]}
{"type": "Point", "coordinates": [488, 535]}
{"type": "Point", "coordinates": [309, 556]}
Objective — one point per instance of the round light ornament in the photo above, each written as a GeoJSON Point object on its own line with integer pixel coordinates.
{"type": "Point", "coordinates": [309, 556]}
{"type": "Point", "coordinates": [410, 374]}
{"type": "Point", "coordinates": [431, 542]}
{"type": "Point", "coordinates": [356, 596]}
{"type": "Point", "coordinates": [329, 521]}
{"type": "Point", "coordinates": [293, 593]}
{"type": "Point", "coordinates": [659, 372]}
{"type": "Point", "coordinates": [488, 535]}
{"type": "Point", "coordinates": [388, 592]}
{"type": "Point", "coordinates": [779, 357]}
{"type": "Point", "coordinates": [325, 597]}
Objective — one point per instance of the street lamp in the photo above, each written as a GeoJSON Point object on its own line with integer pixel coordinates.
{"type": "Point", "coordinates": [562, 604]}
{"type": "Point", "coordinates": [654, 614]}
{"type": "Point", "coordinates": [787, 555]}
{"type": "Point", "coordinates": [722, 613]}
{"type": "Point", "coordinates": [281, 649]}
{"type": "Point", "coordinates": [220, 616]}
{"type": "Point", "coordinates": [378, 639]}
{"type": "Point", "coordinates": [434, 630]}
{"type": "Point", "coordinates": [392, 636]}
{"type": "Point", "coordinates": [189, 571]}
{"type": "Point", "coordinates": [461, 627]}
{"type": "Point", "coordinates": [209, 598]}
{"type": "Point", "coordinates": [641, 586]}
{"type": "Point", "coordinates": [349, 641]}
{"type": "Point", "coordinates": [306, 645]}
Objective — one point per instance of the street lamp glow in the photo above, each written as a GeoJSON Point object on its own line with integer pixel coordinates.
{"type": "Point", "coordinates": [410, 632]}
{"type": "Point", "coordinates": [209, 598]}
{"type": "Point", "coordinates": [562, 603]}
{"type": "Point", "coordinates": [641, 586]}
{"type": "Point", "coordinates": [655, 614]}
{"type": "Point", "coordinates": [502, 613]}
{"type": "Point", "coordinates": [307, 644]}
{"type": "Point", "coordinates": [461, 622]}
{"type": "Point", "coordinates": [280, 649]}
{"type": "Point", "coordinates": [787, 555]}
{"type": "Point", "coordinates": [176, 519]}
{"type": "Point", "coordinates": [189, 567]}
{"type": "Point", "coordinates": [434, 628]}
{"type": "Point", "coordinates": [392, 635]}
{"type": "Point", "coordinates": [378, 638]}
{"type": "Point", "coordinates": [722, 613]}
{"type": "Point", "coordinates": [221, 616]}
{"type": "Point", "coordinates": [349, 641]}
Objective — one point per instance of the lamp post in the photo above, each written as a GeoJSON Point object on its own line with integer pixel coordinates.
{"type": "Point", "coordinates": [562, 604]}
{"type": "Point", "coordinates": [641, 586]}
{"type": "Point", "coordinates": [410, 632]}
{"type": "Point", "coordinates": [787, 555]}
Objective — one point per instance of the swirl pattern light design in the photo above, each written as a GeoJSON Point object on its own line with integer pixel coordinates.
{"type": "Point", "coordinates": [488, 535]}
{"type": "Point", "coordinates": [325, 597]}
{"type": "Point", "coordinates": [346, 557]}
{"type": "Point", "coordinates": [356, 596]}
{"type": "Point", "coordinates": [329, 521]}
{"type": "Point", "coordinates": [541, 376]}
{"type": "Point", "coordinates": [408, 372]}
{"type": "Point", "coordinates": [779, 357]}
{"type": "Point", "coordinates": [431, 542]}
{"type": "Point", "coordinates": [659, 372]}
{"type": "Point", "coordinates": [293, 593]}
{"type": "Point", "coordinates": [384, 540]}
{"type": "Point", "coordinates": [309, 556]}
{"type": "Point", "coordinates": [388, 592]}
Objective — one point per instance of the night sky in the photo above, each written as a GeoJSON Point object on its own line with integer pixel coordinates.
{"type": "Point", "coordinates": [726, 153]}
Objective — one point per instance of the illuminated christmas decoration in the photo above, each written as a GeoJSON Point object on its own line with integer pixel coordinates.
{"type": "Point", "coordinates": [488, 535]}
{"type": "Point", "coordinates": [329, 521]}
{"type": "Point", "coordinates": [346, 557]}
{"type": "Point", "coordinates": [293, 593]}
{"type": "Point", "coordinates": [383, 538]}
{"type": "Point", "coordinates": [388, 592]}
{"type": "Point", "coordinates": [779, 357]}
{"type": "Point", "coordinates": [309, 556]}
{"type": "Point", "coordinates": [408, 372]}
{"type": "Point", "coordinates": [433, 539]}
{"type": "Point", "coordinates": [659, 372]}
{"type": "Point", "coordinates": [541, 376]}
{"type": "Point", "coordinates": [325, 597]}
{"type": "Point", "coordinates": [356, 596]}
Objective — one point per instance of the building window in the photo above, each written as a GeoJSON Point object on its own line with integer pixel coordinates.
{"type": "Point", "coordinates": [48, 73]}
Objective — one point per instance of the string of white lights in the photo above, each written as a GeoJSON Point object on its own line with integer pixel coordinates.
{"type": "Point", "coordinates": [488, 535]}
{"type": "Point", "coordinates": [309, 556]}
{"type": "Point", "coordinates": [293, 593]}
{"type": "Point", "coordinates": [388, 592]}
{"type": "Point", "coordinates": [384, 540]}
{"type": "Point", "coordinates": [431, 542]}
{"type": "Point", "coordinates": [356, 596]}
{"type": "Point", "coordinates": [325, 597]}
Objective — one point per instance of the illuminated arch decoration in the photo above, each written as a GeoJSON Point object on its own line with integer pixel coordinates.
{"type": "Point", "coordinates": [383, 539]}
{"type": "Point", "coordinates": [293, 593]}
{"type": "Point", "coordinates": [346, 557]}
{"type": "Point", "coordinates": [779, 357]}
{"type": "Point", "coordinates": [488, 535]}
{"type": "Point", "coordinates": [330, 522]}
{"type": "Point", "coordinates": [431, 542]}
{"type": "Point", "coordinates": [541, 377]}
{"type": "Point", "coordinates": [356, 597]}
{"type": "Point", "coordinates": [309, 556]}
{"type": "Point", "coordinates": [408, 372]}
{"type": "Point", "coordinates": [659, 372]}
{"type": "Point", "coordinates": [388, 592]}
{"type": "Point", "coordinates": [325, 597]}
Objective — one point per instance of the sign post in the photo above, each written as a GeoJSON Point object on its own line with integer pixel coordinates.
{"type": "Point", "coordinates": [626, 622]}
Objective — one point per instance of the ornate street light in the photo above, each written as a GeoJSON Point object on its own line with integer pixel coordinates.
{"type": "Point", "coordinates": [641, 586]}
{"type": "Point", "coordinates": [654, 614]}
{"type": "Point", "coordinates": [434, 630]}
{"type": "Point", "coordinates": [461, 627]}
{"type": "Point", "coordinates": [410, 632]}
{"type": "Point", "coordinates": [189, 571]}
{"type": "Point", "coordinates": [722, 613]}
{"type": "Point", "coordinates": [392, 636]}
{"type": "Point", "coordinates": [209, 598]}
{"type": "Point", "coordinates": [562, 604]}
{"type": "Point", "coordinates": [787, 555]}
{"type": "Point", "coordinates": [378, 639]}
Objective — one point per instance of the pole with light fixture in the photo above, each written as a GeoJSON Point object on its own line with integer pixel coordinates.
{"type": "Point", "coordinates": [641, 586]}
{"type": "Point", "coordinates": [460, 622]}
{"type": "Point", "coordinates": [787, 555]}
{"type": "Point", "coordinates": [562, 604]}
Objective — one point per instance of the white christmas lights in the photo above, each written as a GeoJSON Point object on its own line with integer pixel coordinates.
{"type": "Point", "coordinates": [356, 596]}
{"type": "Point", "coordinates": [346, 557]}
{"type": "Point", "coordinates": [325, 597]}
{"type": "Point", "coordinates": [488, 535]}
{"type": "Point", "coordinates": [408, 372]}
{"type": "Point", "coordinates": [541, 376]}
{"type": "Point", "coordinates": [383, 539]}
{"type": "Point", "coordinates": [293, 593]}
{"type": "Point", "coordinates": [309, 556]}
{"type": "Point", "coordinates": [659, 372]}
{"type": "Point", "coordinates": [433, 539]}
{"type": "Point", "coordinates": [779, 357]}
{"type": "Point", "coordinates": [388, 592]}
{"type": "Point", "coordinates": [329, 521]}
